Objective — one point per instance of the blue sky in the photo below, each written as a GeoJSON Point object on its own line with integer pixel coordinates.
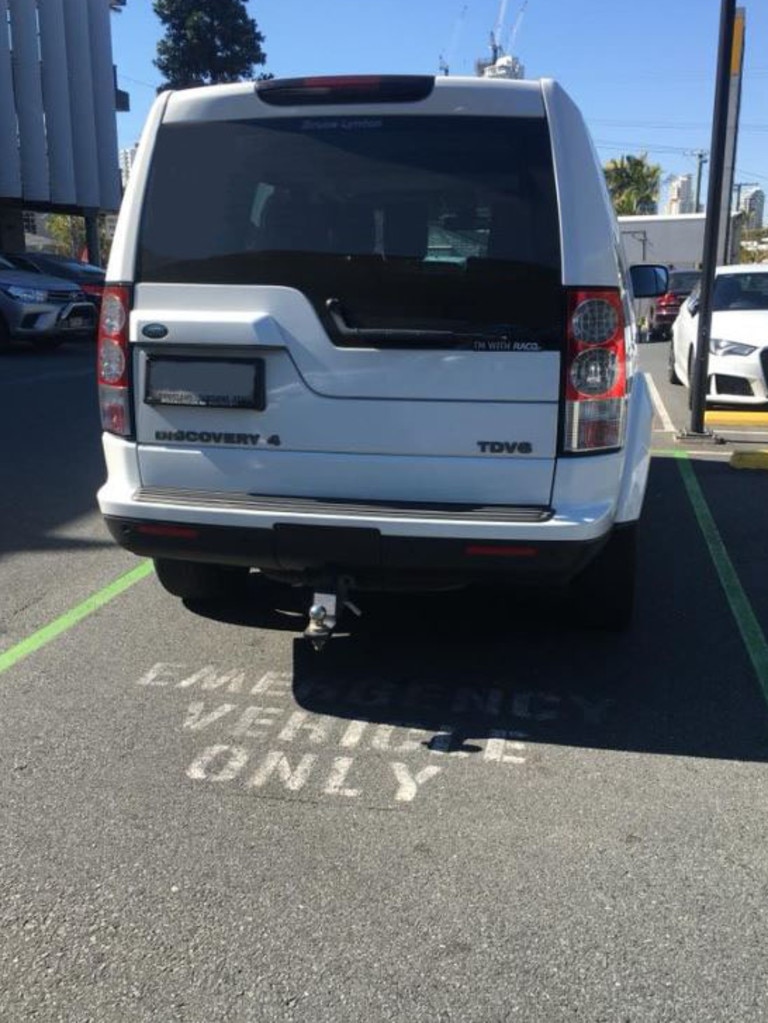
{"type": "Point", "coordinates": [642, 71]}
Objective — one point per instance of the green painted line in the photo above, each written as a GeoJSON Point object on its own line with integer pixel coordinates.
{"type": "Point", "coordinates": [72, 617]}
{"type": "Point", "coordinates": [741, 609]}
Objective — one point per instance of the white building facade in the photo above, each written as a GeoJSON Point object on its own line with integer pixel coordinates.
{"type": "Point", "coordinates": [753, 206]}
{"type": "Point", "coordinates": [58, 135]}
{"type": "Point", "coordinates": [681, 197]}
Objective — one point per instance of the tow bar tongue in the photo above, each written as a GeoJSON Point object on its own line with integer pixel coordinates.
{"type": "Point", "coordinates": [325, 610]}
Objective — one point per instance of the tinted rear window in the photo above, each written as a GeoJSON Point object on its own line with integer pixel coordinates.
{"type": "Point", "coordinates": [404, 221]}
{"type": "Point", "coordinates": [683, 282]}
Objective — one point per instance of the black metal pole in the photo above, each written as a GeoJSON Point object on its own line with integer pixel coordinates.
{"type": "Point", "coordinates": [711, 226]}
{"type": "Point", "coordinates": [701, 159]}
{"type": "Point", "coordinates": [92, 237]}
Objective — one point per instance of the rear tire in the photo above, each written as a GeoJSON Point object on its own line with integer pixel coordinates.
{"type": "Point", "coordinates": [195, 580]}
{"type": "Point", "coordinates": [604, 593]}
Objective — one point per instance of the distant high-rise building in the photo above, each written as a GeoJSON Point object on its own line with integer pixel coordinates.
{"type": "Point", "coordinates": [127, 156]}
{"type": "Point", "coordinates": [680, 198]}
{"type": "Point", "coordinates": [753, 205]}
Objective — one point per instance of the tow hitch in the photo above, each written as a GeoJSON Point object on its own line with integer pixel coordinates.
{"type": "Point", "coordinates": [325, 610]}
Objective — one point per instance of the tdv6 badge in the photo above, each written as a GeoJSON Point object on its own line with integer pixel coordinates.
{"type": "Point", "coordinates": [505, 447]}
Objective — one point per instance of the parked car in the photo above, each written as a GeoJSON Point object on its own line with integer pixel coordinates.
{"type": "Point", "coordinates": [399, 350]}
{"type": "Point", "coordinates": [89, 277]}
{"type": "Point", "coordinates": [664, 312]}
{"type": "Point", "coordinates": [738, 346]}
{"type": "Point", "coordinates": [41, 309]}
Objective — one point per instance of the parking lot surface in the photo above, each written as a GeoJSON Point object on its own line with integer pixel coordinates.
{"type": "Point", "coordinates": [464, 809]}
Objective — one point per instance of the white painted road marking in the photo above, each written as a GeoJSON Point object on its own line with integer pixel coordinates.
{"type": "Point", "coordinates": [309, 749]}
{"type": "Point", "coordinates": [661, 411]}
{"type": "Point", "coordinates": [409, 784]}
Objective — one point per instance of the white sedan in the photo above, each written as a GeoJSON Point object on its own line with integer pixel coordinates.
{"type": "Point", "coordinates": [738, 345]}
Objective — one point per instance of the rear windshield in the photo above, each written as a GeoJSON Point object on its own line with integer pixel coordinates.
{"type": "Point", "coordinates": [682, 282]}
{"type": "Point", "coordinates": [431, 223]}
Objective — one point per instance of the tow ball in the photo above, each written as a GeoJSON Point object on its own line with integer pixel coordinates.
{"type": "Point", "coordinates": [325, 611]}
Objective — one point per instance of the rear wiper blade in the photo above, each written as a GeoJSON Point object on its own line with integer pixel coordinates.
{"type": "Point", "coordinates": [333, 305]}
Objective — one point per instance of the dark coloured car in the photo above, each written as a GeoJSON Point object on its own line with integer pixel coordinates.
{"type": "Point", "coordinates": [89, 277]}
{"type": "Point", "coordinates": [664, 314]}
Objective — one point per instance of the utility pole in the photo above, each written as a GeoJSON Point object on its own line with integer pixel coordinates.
{"type": "Point", "coordinates": [698, 383]}
{"type": "Point", "coordinates": [701, 156]}
{"type": "Point", "coordinates": [732, 133]}
{"type": "Point", "coordinates": [737, 187]}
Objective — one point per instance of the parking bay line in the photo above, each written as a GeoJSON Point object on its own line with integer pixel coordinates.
{"type": "Point", "coordinates": [661, 410]}
{"type": "Point", "coordinates": [746, 620]}
{"type": "Point", "coordinates": [741, 609]}
{"type": "Point", "coordinates": [70, 618]}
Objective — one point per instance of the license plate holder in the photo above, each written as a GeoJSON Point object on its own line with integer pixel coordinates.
{"type": "Point", "coordinates": [195, 382]}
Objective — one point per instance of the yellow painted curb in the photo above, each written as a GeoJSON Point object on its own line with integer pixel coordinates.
{"type": "Point", "coordinates": [736, 418]}
{"type": "Point", "coordinates": [750, 459]}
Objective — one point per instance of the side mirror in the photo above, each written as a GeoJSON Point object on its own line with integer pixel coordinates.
{"type": "Point", "coordinates": [693, 305]}
{"type": "Point", "coordinates": [649, 279]}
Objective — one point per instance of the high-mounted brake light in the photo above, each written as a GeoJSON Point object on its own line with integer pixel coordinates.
{"type": "Point", "coordinates": [596, 371]}
{"type": "Point", "coordinates": [339, 89]}
{"type": "Point", "coordinates": [114, 361]}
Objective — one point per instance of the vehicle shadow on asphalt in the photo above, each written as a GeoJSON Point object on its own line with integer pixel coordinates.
{"type": "Point", "coordinates": [487, 662]}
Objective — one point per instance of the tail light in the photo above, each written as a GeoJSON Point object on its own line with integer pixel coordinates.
{"type": "Point", "coordinates": [114, 360]}
{"type": "Point", "coordinates": [283, 92]}
{"type": "Point", "coordinates": [93, 289]}
{"type": "Point", "coordinates": [596, 372]}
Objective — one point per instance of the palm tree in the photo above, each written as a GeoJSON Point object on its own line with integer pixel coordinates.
{"type": "Point", "coordinates": [633, 184]}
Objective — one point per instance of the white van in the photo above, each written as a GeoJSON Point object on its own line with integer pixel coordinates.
{"type": "Point", "coordinates": [371, 332]}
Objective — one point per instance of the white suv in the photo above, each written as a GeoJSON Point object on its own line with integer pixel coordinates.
{"type": "Point", "coordinates": [362, 332]}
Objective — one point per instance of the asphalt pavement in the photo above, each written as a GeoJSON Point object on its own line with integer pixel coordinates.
{"type": "Point", "coordinates": [464, 809]}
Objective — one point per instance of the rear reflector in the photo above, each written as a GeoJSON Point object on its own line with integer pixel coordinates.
{"type": "Point", "coordinates": [480, 551]}
{"type": "Point", "coordinates": [288, 92]}
{"type": "Point", "coordinates": [157, 529]}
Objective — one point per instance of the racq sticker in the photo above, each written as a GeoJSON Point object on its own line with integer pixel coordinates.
{"type": "Point", "coordinates": [503, 345]}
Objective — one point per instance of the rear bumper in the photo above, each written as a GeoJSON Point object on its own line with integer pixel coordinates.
{"type": "Point", "coordinates": [665, 318]}
{"type": "Point", "coordinates": [312, 551]}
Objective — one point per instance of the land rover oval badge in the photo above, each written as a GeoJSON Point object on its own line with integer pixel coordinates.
{"type": "Point", "coordinates": [155, 331]}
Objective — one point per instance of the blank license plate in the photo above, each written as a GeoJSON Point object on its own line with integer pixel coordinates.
{"type": "Point", "coordinates": [205, 383]}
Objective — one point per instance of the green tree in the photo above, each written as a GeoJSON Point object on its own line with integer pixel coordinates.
{"type": "Point", "coordinates": [69, 235]}
{"type": "Point", "coordinates": [633, 184]}
{"type": "Point", "coordinates": [206, 41]}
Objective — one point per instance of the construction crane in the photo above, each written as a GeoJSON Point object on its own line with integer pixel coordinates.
{"type": "Point", "coordinates": [502, 64]}
{"type": "Point", "coordinates": [496, 47]}
{"type": "Point", "coordinates": [445, 60]}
